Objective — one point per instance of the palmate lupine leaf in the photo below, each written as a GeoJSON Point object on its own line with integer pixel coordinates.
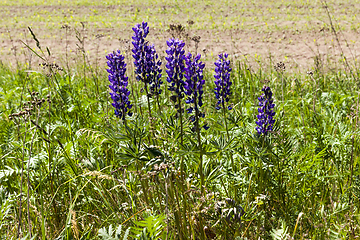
{"type": "Point", "coordinates": [212, 172]}
{"type": "Point", "coordinates": [100, 137]}
{"type": "Point", "coordinates": [112, 234]}
{"type": "Point", "coordinates": [151, 227]}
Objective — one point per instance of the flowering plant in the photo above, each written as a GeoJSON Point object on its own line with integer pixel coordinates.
{"type": "Point", "coordinates": [175, 66]}
{"type": "Point", "coordinates": [266, 113]}
{"type": "Point", "coordinates": [222, 81]}
{"type": "Point", "coordinates": [194, 87]}
{"type": "Point", "coordinates": [147, 62]}
{"type": "Point", "coordinates": [119, 82]}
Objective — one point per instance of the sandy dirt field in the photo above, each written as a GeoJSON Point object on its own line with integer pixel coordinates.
{"type": "Point", "coordinates": [261, 34]}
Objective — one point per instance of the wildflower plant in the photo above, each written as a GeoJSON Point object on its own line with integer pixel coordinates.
{"type": "Point", "coordinates": [154, 72]}
{"type": "Point", "coordinates": [147, 63]}
{"type": "Point", "coordinates": [265, 112]}
{"type": "Point", "coordinates": [194, 90]}
{"type": "Point", "coordinates": [222, 85]}
{"type": "Point", "coordinates": [119, 82]}
{"type": "Point", "coordinates": [140, 51]}
{"type": "Point", "coordinates": [175, 69]}
{"type": "Point", "coordinates": [222, 81]}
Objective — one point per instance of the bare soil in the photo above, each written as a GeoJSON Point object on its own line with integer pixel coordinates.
{"type": "Point", "coordinates": [300, 48]}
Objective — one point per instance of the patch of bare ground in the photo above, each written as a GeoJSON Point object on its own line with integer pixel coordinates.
{"type": "Point", "coordinates": [289, 42]}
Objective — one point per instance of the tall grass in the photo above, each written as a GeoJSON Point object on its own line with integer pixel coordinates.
{"type": "Point", "coordinates": [71, 170]}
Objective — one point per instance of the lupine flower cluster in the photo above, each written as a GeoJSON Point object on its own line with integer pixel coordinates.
{"type": "Point", "coordinates": [119, 82]}
{"type": "Point", "coordinates": [185, 75]}
{"type": "Point", "coordinates": [175, 66]}
{"type": "Point", "coordinates": [222, 81]}
{"type": "Point", "coordinates": [194, 87]}
{"type": "Point", "coordinates": [140, 50]}
{"type": "Point", "coordinates": [265, 117]}
{"type": "Point", "coordinates": [154, 72]}
{"type": "Point", "coordinates": [147, 63]}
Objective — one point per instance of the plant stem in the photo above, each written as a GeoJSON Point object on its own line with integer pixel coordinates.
{"type": "Point", "coordinates": [22, 179]}
{"type": "Point", "coordinates": [181, 122]}
{"type": "Point", "coordinates": [226, 126]}
{"type": "Point", "coordinates": [197, 127]}
{"type": "Point", "coordinates": [150, 116]}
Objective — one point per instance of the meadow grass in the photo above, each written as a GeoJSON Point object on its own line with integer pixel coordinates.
{"type": "Point", "coordinates": [72, 170]}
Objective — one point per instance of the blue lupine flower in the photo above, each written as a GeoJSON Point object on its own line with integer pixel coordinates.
{"type": "Point", "coordinates": [147, 62]}
{"type": "Point", "coordinates": [141, 50]}
{"type": "Point", "coordinates": [265, 118]}
{"type": "Point", "coordinates": [222, 81]}
{"type": "Point", "coordinates": [154, 71]}
{"type": "Point", "coordinates": [119, 82]}
{"type": "Point", "coordinates": [194, 86]}
{"type": "Point", "coordinates": [175, 66]}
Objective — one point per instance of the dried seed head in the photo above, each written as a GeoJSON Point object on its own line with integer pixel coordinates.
{"type": "Point", "coordinates": [196, 39]}
{"type": "Point", "coordinates": [97, 36]}
{"type": "Point", "coordinates": [279, 67]}
{"type": "Point", "coordinates": [65, 26]}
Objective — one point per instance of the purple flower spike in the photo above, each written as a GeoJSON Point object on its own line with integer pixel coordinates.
{"type": "Point", "coordinates": [265, 118]}
{"type": "Point", "coordinates": [194, 86]}
{"type": "Point", "coordinates": [154, 71]}
{"type": "Point", "coordinates": [175, 66]}
{"type": "Point", "coordinates": [119, 92]}
{"type": "Point", "coordinates": [222, 81]}
{"type": "Point", "coordinates": [140, 50]}
{"type": "Point", "coordinates": [147, 62]}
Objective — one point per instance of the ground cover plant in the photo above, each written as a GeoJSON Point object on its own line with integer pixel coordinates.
{"type": "Point", "coordinates": [170, 144]}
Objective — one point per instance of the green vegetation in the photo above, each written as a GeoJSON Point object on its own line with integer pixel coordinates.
{"type": "Point", "coordinates": [71, 170]}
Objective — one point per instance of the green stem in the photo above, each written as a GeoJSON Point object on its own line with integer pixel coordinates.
{"type": "Point", "coordinates": [150, 116]}
{"type": "Point", "coordinates": [197, 126]}
{"type": "Point", "coordinates": [181, 122]}
{"type": "Point", "coordinates": [226, 126]}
